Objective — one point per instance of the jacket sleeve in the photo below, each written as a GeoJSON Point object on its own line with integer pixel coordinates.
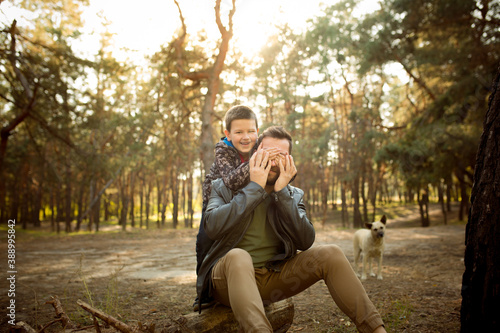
{"type": "Point", "coordinates": [225, 212]}
{"type": "Point", "coordinates": [234, 173]}
{"type": "Point", "coordinates": [292, 217]}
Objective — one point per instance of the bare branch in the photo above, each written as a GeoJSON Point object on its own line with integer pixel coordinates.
{"type": "Point", "coordinates": [30, 93]}
{"type": "Point", "coordinates": [56, 303]}
{"type": "Point", "coordinates": [120, 326]}
{"type": "Point", "coordinates": [182, 21]}
{"type": "Point", "coordinates": [226, 35]}
{"type": "Point", "coordinates": [24, 327]}
{"type": "Point", "coordinates": [12, 58]}
{"type": "Point", "coordinates": [193, 76]}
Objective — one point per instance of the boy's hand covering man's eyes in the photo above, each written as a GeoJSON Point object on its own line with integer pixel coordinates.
{"type": "Point", "coordinates": [274, 153]}
{"type": "Point", "coordinates": [287, 172]}
{"type": "Point", "coordinates": [259, 166]}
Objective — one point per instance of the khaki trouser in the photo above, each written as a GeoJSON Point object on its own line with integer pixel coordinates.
{"type": "Point", "coordinates": [245, 289]}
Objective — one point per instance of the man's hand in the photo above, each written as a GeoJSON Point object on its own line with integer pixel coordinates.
{"type": "Point", "coordinates": [259, 167]}
{"type": "Point", "coordinates": [287, 172]}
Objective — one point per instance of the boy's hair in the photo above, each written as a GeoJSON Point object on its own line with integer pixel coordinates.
{"type": "Point", "coordinates": [276, 132]}
{"type": "Point", "coordinates": [239, 112]}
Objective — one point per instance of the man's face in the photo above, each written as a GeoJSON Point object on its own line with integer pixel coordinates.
{"type": "Point", "coordinates": [243, 135]}
{"type": "Point", "coordinates": [284, 147]}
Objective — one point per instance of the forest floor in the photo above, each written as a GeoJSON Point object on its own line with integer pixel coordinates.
{"type": "Point", "coordinates": [148, 276]}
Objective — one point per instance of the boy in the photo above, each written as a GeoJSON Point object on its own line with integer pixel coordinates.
{"type": "Point", "coordinates": [232, 153]}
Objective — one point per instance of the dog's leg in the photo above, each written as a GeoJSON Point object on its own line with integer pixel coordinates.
{"type": "Point", "coordinates": [379, 275]}
{"type": "Point", "coordinates": [371, 266]}
{"type": "Point", "coordinates": [363, 272]}
{"type": "Point", "coordinates": [357, 254]}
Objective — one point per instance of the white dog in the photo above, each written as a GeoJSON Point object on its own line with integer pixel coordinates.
{"type": "Point", "coordinates": [371, 244]}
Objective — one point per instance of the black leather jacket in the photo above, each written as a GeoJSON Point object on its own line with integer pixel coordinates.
{"type": "Point", "coordinates": [229, 214]}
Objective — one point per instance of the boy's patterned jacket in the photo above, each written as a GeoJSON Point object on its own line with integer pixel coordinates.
{"type": "Point", "coordinates": [228, 165]}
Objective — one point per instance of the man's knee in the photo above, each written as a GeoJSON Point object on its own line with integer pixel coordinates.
{"type": "Point", "coordinates": [332, 254]}
{"type": "Point", "coordinates": [239, 258]}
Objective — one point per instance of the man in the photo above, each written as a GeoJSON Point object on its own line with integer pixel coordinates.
{"type": "Point", "coordinates": [262, 245]}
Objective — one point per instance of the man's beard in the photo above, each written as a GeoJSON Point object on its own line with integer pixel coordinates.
{"type": "Point", "coordinates": [272, 181]}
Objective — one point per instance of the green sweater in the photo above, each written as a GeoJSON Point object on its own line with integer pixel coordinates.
{"type": "Point", "coordinates": [260, 241]}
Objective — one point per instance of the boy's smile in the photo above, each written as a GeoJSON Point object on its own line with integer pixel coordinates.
{"type": "Point", "coordinates": [243, 135]}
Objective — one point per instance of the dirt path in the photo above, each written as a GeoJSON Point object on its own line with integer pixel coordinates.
{"type": "Point", "coordinates": [149, 276]}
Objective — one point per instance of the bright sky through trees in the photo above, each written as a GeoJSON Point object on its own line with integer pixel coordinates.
{"type": "Point", "coordinates": [143, 27]}
{"type": "Point", "coordinates": [140, 28]}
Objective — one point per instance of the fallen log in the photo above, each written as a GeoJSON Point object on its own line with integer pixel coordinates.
{"type": "Point", "coordinates": [221, 319]}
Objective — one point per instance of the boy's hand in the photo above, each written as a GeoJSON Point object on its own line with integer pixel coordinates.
{"type": "Point", "coordinates": [274, 154]}
{"type": "Point", "coordinates": [259, 167]}
{"type": "Point", "coordinates": [287, 172]}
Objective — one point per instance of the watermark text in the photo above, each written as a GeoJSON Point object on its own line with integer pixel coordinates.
{"type": "Point", "coordinates": [11, 271]}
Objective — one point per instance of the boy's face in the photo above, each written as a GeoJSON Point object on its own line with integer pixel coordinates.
{"type": "Point", "coordinates": [243, 135]}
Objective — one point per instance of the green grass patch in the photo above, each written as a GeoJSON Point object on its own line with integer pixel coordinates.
{"type": "Point", "coordinates": [397, 315]}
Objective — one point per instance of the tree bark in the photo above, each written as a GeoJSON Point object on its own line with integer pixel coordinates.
{"type": "Point", "coordinates": [481, 280]}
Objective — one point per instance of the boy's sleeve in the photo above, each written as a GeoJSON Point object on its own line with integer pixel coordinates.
{"type": "Point", "coordinates": [234, 174]}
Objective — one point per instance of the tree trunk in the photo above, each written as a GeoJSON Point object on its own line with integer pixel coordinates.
{"type": "Point", "coordinates": [449, 184]}
{"type": "Point", "coordinates": [160, 218]}
{"type": "Point", "coordinates": [37, 205]}
{"type": "Point", "coordinates": [211, 75]}
{"type": "Point", "coordinates": [190, 199]}
{"type": "Point", "coordinates": [59, 210]}
{"type": "Point", "coordinates": [96, 212]}
{"type": "Point", "coordinates": [442, 203]}
{"type": "Point", "coordinates": [363, 194]}
{"type": "Point", "coordinates": [345, 213]}
{"type": "Point", "coordinates": [131, 200]}
{"type": "Point", "coordinates": [124, 196]}
{"type": "Point", "coordinates": [148, 202]}
{"type": "Point", "coordinates": [67, 200]}
{"type": "Point", "coordinates": [175, 198]}
{"type": "Point", "coordinates": [423, 203]}
{"type": "Point", "coordinates": [80, 206]}
{"type": "Point", "coordinates": [91, 196]}
{"type": "Point", "coordinates": [357, 220]}
{"type": "Point", "coordinates": [52, 210]}
{"type": "Point", "coordinates": [141, 202]}
{"type": "Point", "coordinates": [481, 280]}
{"type": "Point", "coordinates": [464, 197]}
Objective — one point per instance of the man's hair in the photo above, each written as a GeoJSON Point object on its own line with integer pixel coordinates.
{"type": "Point", "coordinates": [239, 112]}
{"type": "Point", "coordinates": [276, 132]}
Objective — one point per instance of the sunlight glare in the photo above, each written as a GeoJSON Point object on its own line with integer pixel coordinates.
{"type": "Point", "coordinates": [141, 29]}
